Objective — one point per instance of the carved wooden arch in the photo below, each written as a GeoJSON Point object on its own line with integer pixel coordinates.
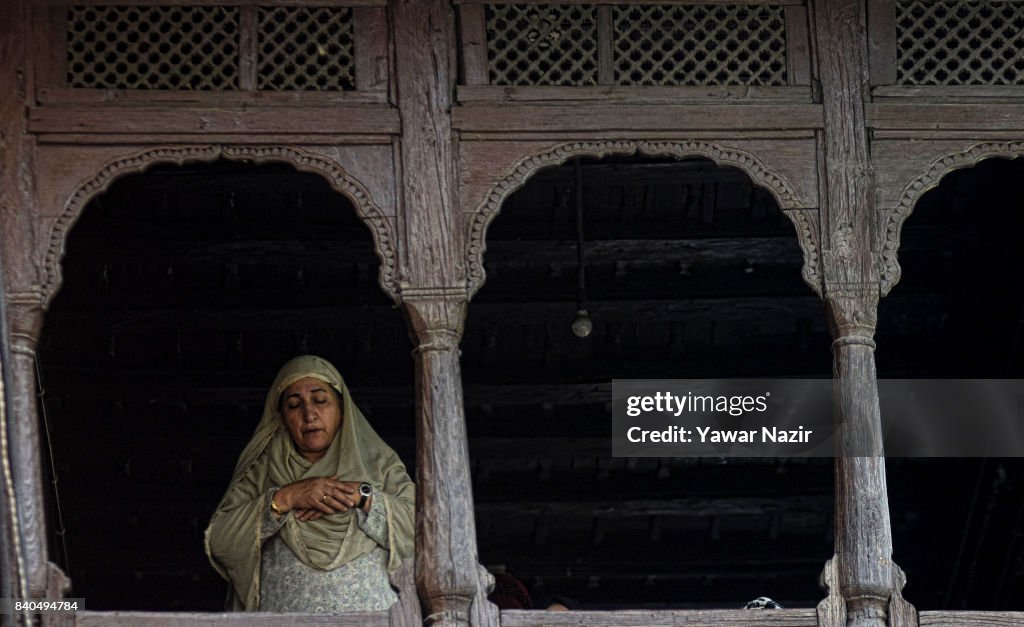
{"type": "Point", "coordinates": [890, 271]}
{"type": "Point", "coordinates": [804, 218]}
{"type": "Point", "coordinates": [301, 160]}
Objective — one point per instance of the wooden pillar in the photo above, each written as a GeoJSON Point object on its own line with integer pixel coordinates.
{"type": "Point", "coordinates": [446, 555]}
{"type": "Point", "coordinates": [23, 298]}
{"type": "Point", "coordinates": [25, 317]}
{"type": "Point", "coordinates": [434, 297]}
{"type": "Point", "coordinates": [862, 567]}
{"type": "Point", "coordinates": [863, 534]}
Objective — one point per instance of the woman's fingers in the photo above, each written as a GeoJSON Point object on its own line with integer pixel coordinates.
{"type": "Point", "coordinates": [324, 495]}
{"type": "Point", "coordinates": [308, 515]}
{"type": "Point", "coordinates": [333, 504]}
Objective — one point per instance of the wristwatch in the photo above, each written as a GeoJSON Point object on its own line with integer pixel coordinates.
{"type": "Point", "coordinates": [365, 490]}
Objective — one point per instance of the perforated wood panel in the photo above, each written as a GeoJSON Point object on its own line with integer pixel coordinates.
{"type": "Point", "coordinates": [305, 49]}
{"type": "Point", "coordinates": [960, 43]}
{"type": "Point", "coordinates": [153, 47]}
{"type": "Point", "coordinates": [542, 45]}
{"type": "Point", "coordinates": [699, 45]}
{"type": "Point", "coordinates": [643, 44]}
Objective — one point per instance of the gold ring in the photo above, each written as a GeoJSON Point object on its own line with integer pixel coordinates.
{"type": "Point", "coordinates": [325, 498]}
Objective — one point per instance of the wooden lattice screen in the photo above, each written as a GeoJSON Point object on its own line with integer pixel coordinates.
{"type": "Point", "coordinates": [203, 47]}
{"type": "Point", "coordinates": [542, 45]}
{"type": "Point", "coordinates": [123, 47]}
{"type": "Point", "coordinates": [960, 43]}
{"type": "Point", "coordinates": [699, 45]}
{"type": "Point", "coordinates": [304, 48]}
{"type": "Point", "coordinates": [648, 44]}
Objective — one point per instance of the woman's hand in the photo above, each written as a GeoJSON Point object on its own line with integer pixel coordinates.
{"type": "Point", "coordinates": [316, 497]}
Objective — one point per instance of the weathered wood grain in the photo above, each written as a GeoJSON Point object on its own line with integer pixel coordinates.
{"type": "Point", "coordinates": [678, 618]}
{"type": "Point", "coordinates": [882, 41]}
{"type": "Point", "coordinates": [863, 534]}
{"type": "Point", "coordinates": [609, 94]}
{"type": "Point", "coordinates": [798, 50]}
{"type": "Point", "coordinates": [370, 31]}
{"type": "Point", "coordinates": [949, 94]}
{"type": "Point", "coordinates": [600, 2]}
{"type": "Point", "coordinates": [49, 49]}
{"type": "Point", "coordinates": [483, 612]}
{"type": "Point", "coordinates": [287, 3]}
{"type": "Point", "coordinates": [24, 307]}
{"type": "Point", "coordinates": [60, 96]}
{"type": "Point", "coordinates": [474, 44]}
{"type": "Point", "coordinates": [541, 118]}
{"type": "Point", "coordinates": [359, 119]}
{"type": "Point", "coordinates": [446, 557]}
{"type": "Point", "coordinates": [236, 139]}
{"type": "Point", "coordinates": [406, 612]}
{"type": "Point", "coordinates": [605, 37]}
{"type": "Point", "coordinates": [195, 619]}
{"type": "Point", "coordinates": [970, 619]}
{"type": "Point", "coordinates": [425, 78]}
{"type": "Point", "coordinates": [953, 116]}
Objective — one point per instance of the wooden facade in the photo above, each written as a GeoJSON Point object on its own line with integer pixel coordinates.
{"type": "Point", "coordinates": [427, 126]}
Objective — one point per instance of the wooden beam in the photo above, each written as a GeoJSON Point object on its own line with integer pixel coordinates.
{"type": "Point", "coordinates": [946, 117]}
{"type": "Point", "coordinates": [474, 44]}
{"type": "Point", "coordinates": [194, 619]}
{"type": "Point", "coordinates": [337, 120]}
{"type": "Point", "coordinates": [588, 117]}
{"type": "Point", "coordinates": [882, 41]}
{"type": "Point", "coordinates": [370, 32]}
{"type": "Point", "coordinates": [798, 50]}
{"type": "Point", "coordinates": [947, 618]}
{"type": "Point", "coordinates": [669, 2]}
{"type": "Point", "coordinates": [656, 618]}
{"type": "Point", "coordinates": [626, 95]}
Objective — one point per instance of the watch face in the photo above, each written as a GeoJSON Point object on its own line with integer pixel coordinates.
{"type": "Point", "coordinates": [365, 489]}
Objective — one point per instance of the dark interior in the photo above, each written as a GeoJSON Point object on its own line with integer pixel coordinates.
{"type": "Point", "coordinates": [186, 287]}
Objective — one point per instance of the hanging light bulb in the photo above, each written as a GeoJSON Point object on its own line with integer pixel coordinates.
{"type": "Point", "coordinates": [582, 325]}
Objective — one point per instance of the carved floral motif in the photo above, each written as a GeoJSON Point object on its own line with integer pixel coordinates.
{"type": "Point", "coordinates": [889, 267]}
{"type": "Point", "coordinates": [302, 160]}
{"type": "Point", "coordinates": [804, 221]}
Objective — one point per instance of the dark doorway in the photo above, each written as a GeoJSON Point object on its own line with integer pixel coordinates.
{"type": "Point", "coordinates": [185, 289]}
{"type": "Point", "coordinates": [958, 312]}
{"type": "Point", "coordinates": [691, 272]}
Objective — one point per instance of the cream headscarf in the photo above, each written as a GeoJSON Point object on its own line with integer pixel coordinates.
{"type": "Point", "coordinates": [270, 460]}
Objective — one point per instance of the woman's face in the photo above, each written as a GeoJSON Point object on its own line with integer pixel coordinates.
{"type": "Point", "coordinates": [312, 416]}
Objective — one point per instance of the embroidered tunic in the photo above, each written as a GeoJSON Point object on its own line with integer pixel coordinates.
{"type": "Point", "coordinates": [288, 585]}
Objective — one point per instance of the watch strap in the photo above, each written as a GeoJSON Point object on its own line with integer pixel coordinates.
{"type": "Point", "coordinates": [364, 489]}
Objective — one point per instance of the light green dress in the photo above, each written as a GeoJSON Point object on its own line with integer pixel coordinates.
{"type": "Point", "coordinates": [288, 585]}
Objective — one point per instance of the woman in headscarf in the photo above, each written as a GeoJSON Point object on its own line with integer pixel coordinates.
{"type": "Point", "coordinates": [319, 509]}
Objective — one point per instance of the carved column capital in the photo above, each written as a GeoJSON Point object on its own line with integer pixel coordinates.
{"type": "Point", "coordinates": [436, 317]}
{"type": "Point", "coordinates": [25, 315]}
{"type": "Point", "coordinates": [852, 310]}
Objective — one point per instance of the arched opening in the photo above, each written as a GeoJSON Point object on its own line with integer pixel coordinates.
{"type": "Point", "coordinates": [958, 313]}
{"type": "Point", "coordinates": [185, 289]}
{"type": "Point", "coordinates": [691, 272]}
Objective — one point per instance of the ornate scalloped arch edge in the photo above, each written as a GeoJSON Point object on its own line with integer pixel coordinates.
{"type": "Point", "coordinates": [301, 160]}
{"type": "Point", "coordinates": [784, 193]}
{"type": "Point", "coordinates": [890, 271]}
